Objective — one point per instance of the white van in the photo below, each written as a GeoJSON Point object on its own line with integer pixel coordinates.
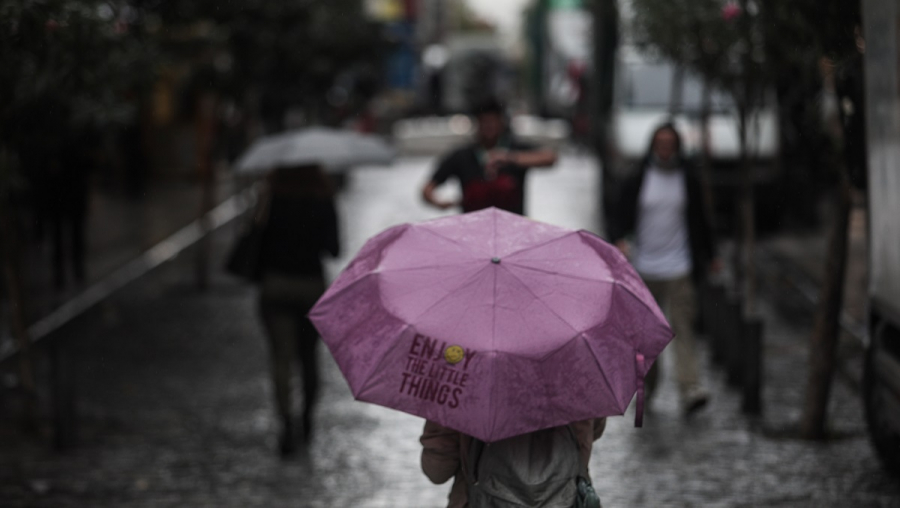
{"type": "Point", "coordinates": [642, 101]}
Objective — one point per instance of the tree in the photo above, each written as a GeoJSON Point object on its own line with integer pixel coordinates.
{"type": "Point", "coordinates": [722, 43]}
{"type": "Point", "coordinates": [67, 66]}
{"type": "Point", "coordinates": [288, 54]}
{"type": "Point", "coordinates": [605, 44]}
{"type": "Point", "coordinates": [837, 35]}
{"type": "Point", "coordinates": [265, 57]}
{"type": "Point", "coordinates": [745, 48]}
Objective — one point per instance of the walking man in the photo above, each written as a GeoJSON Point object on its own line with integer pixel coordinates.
{"type": "Point", "coordinates": [661, 208]}
{"type": "Point", "coordinates": [491, 171]}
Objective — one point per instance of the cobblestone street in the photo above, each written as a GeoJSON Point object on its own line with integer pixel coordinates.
{"type": "Point", "coordinates": [175, 409]}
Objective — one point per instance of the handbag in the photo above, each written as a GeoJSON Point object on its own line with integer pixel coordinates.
{"type": "Point", "coordinates": [244, 259]}
{"type": "Point", "coordinates": [586, 496]}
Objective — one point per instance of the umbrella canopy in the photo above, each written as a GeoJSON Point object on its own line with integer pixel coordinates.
{"type": "Point", "coordinates": [332, 148]}
{"type": "Point", "coordinates": [492, 324]}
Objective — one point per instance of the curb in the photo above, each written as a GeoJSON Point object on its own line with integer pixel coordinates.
{"type": "Point", "coordinates": [164, 251]}
{"type": "Point", "coordinates": [803, 285]}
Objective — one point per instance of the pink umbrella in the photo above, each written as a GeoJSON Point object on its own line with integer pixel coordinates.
{"type": "Point", "coordinates": [492, 324]}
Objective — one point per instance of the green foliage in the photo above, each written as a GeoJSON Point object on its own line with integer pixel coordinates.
{"type": "Point", "coordinates": [766, 41]}
{"type": "Point", "coordinates": [74, 63]}
{"type": "Point", "coordinates": [293, 51]}
{"type": "Point", "coordinates": [67, 64]}
{"type": "Point", "coordinates": [696, 35]}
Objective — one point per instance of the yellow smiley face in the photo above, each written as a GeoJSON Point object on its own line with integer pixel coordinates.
{"type": "Point", "coordinates": [454, 354]}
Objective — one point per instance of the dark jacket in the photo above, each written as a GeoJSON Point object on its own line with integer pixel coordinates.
{"type": "Point", "coordinates": [298, 231]}
{"type": "Point", "coordinates": [624, 221]}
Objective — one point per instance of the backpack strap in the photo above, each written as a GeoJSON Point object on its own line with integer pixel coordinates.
{"type": "Point", "coordinates": [582, 466]}
{"type": "Point", "coordinates": [475, 450]}
{"type": "Point", "coordinates": [639, 403]}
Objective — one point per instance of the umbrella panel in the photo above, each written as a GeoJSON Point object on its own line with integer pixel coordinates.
{"type": "Point", "coordinates": [331, 148]}
{"type": "Point", "coordinates": [544, 335]}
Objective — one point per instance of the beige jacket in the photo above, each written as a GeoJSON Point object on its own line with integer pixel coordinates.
{"type": "Point", "coordinates": [445, 454]}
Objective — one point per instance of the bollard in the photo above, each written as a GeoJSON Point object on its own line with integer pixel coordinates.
{"type": "Point", "coordinates": [718, 327]}
{"type": "Point", "coordinates": [733, 362]}
{"type": "Point", "coordinates": [706, 313]}
{"type": "Point", "coordinates": [752, 346]}
{"type": "Point", "coordinates": [63, 403]}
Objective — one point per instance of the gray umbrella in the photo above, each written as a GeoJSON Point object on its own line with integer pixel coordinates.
{"type": "Point", "coordinates": [332, 148]}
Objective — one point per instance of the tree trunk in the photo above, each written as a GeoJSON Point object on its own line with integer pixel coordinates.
{"type": "Point", "coordinates": [606, 40]}
{"type": "Point", "coordinates": [205, 125]}
{"type": "Point", "coordinates": [705, 155]}
{"type": "Point", "coordinates": [824, 339]}
{"type": "Point", "coordinates": [748, 222]}
{"type": "Point", "coordinates": [746, 105]}
{"type": "Point", "coordinates": [676, 90]}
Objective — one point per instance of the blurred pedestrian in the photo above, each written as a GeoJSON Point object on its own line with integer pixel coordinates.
{"type": "Point", "coordinates": [300, 224]}
{"type": "Point", "coordinates": [491, 171]}
{"type": "Point", "coordinates": [66, 192]}
{"type": "Point", "coordinates": [661, 210]}
{"type": "Point", "coordinates": [135, 159]}
{"type": "Point", "coordinates": [537, 469]}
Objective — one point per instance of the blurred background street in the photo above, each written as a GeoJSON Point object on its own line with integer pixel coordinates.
{"type": "Point", "coordinates": [140, 140]}
{"type": "Point", "coordinates": [174, 404]}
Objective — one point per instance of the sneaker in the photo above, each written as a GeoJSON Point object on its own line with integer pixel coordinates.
{"type": "Point", "coordinates": [286, 444]}
{"type": "Point", "coordinates": [695, 401]}
{"type": "Point", "coordinates": [307, 429]}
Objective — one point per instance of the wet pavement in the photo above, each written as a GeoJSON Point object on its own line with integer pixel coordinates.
{"type": "Point", "coordinates": [175, 408]}
{"type": "Point", "coordinates": [118, 228]}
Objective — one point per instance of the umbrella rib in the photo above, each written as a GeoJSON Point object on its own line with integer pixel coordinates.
{"type": "Point", "coordinates": [594, 239]}
{"type": "Point", "coordinates": [567, 275]}
{"type": "Point", "coordinates": [494, 299]}
{"type": "Point", "coordinates": [453, 240]}
{"type": "Point", "coordinates": [436, 281]}
{"type": "Point", "coordinates": [541, 244]}
{"type": "Point", "coordinates": [493, 374]}
{"type": "Point", "coordinates": [537, 300]}
{"type": "Point", "coordinates": [609, 387]}
{"type": "Point", "coordinates": [376, 366]}
{"type": "Point", "coordinates": [636, 297]}
{"type": "Point", "coordinates": [469, 305]}
{"type": "Point", "coordinates": [449, 293]}
{"type": "Point", "coordinates": [351, 285]}
{"type": "Point", "coordinates": [428, 267]}
{"type": "Point", "coordinates": [494, 387]}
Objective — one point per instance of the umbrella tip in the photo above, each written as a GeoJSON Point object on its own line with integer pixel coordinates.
{"type": "Point", "coordinates": [496, 261]}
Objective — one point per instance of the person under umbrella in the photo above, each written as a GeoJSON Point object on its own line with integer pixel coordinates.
{"type": "Point", "coordinates": [332, 149]}
{"type": "Point", "coordinates": [510, 331]}
{"type": "Point", "coordinates": [492, 170]}
{"type": "Point", "coordinates": [299, 225]}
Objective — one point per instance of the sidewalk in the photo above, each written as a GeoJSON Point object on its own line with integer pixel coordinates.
{"type": "Point", "coordinates": [802, 263]}
{"type": "Point", "coordinates": [118, 229]}
{"type": "Point", "coordinates": [791, 267]}
{"type": "Point", "coordinates": [175, 407]}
